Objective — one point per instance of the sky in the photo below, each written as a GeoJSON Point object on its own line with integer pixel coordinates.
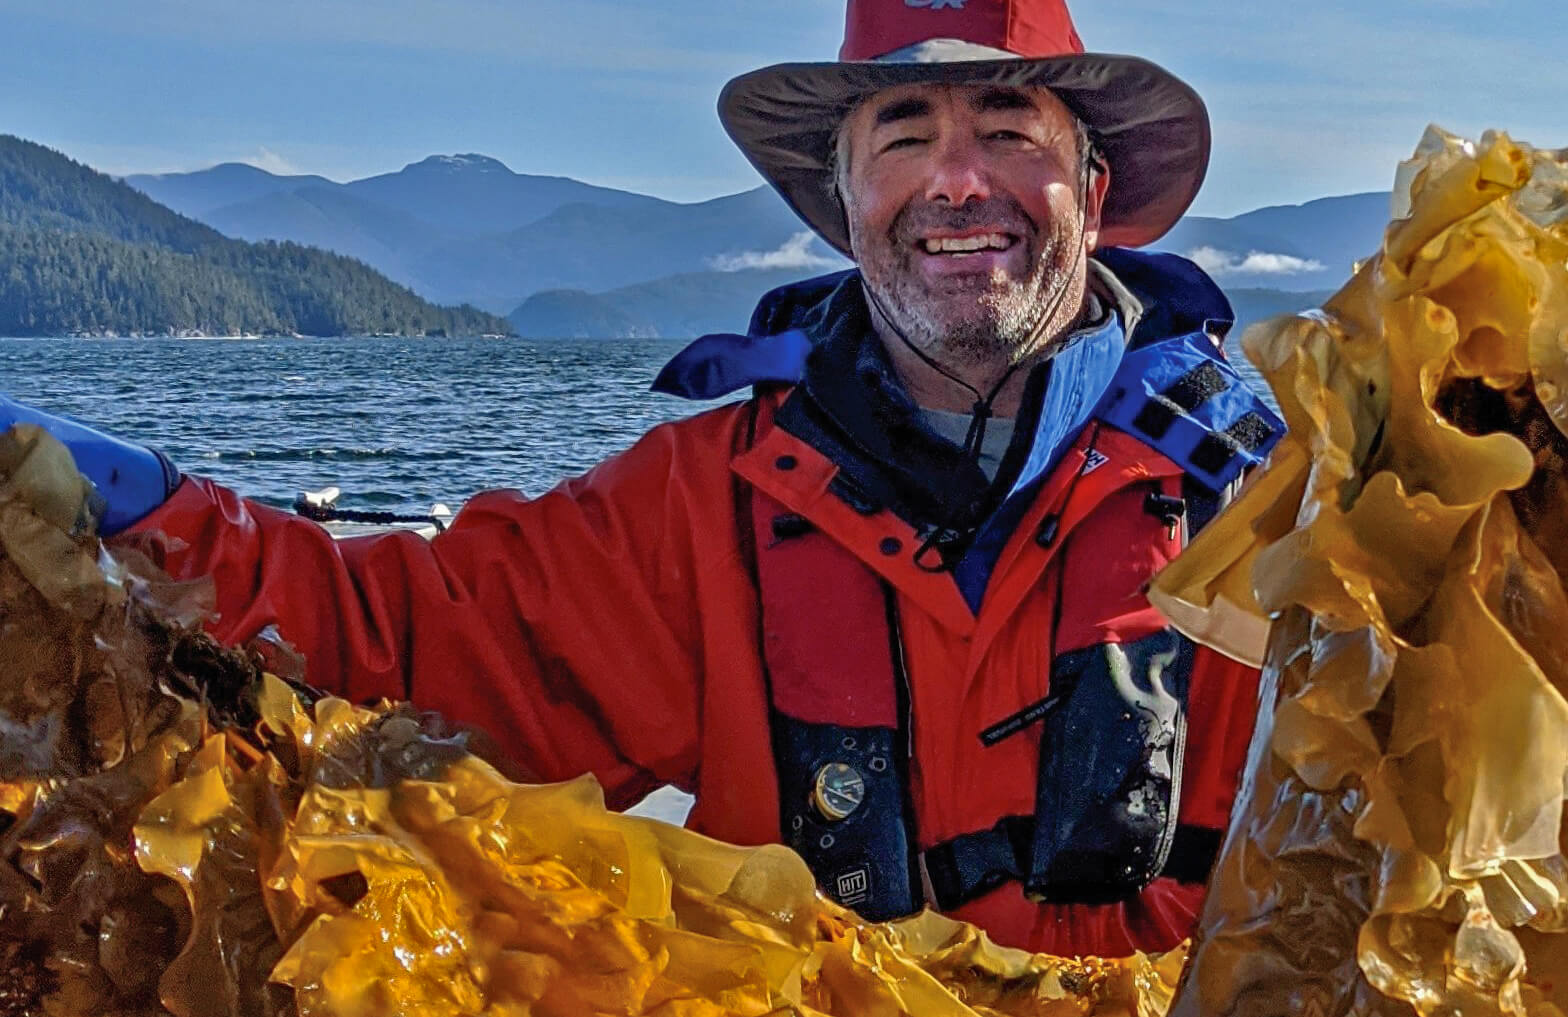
{"type": "Point", "coordinates": [1309, 98]}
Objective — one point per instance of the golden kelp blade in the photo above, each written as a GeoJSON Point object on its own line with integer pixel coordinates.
{"type": "Point", "coordinates": [85, 741]}
{"type": "Point", "coordinates": [480, 894]}
{"type": "Point", "coordinates": [184, 834]}
{"type": "Point", "coordinates": [1399, 843]}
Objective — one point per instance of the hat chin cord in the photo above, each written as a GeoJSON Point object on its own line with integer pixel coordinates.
{"type": "Point", "coordinates": [982, 412]}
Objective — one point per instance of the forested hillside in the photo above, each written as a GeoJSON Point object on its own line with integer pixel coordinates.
{"type": "Point", "coordinates": [83, 253]}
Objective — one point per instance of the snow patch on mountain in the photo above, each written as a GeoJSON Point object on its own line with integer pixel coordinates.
{"type": "Point", "coordinates": [467, 162]}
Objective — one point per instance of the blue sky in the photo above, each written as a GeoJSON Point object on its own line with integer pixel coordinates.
{"type": "Point", "coordinates": [1309, 98]}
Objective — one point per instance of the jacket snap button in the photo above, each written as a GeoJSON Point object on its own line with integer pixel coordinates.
{"type": "Point", "coordinates": [786, 462]}
{"type": "Point", "coordinates": [839, 791]}
{"type": "Point", "coordinates": [891, 545]}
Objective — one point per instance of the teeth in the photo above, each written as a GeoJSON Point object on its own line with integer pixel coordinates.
{"type": "Point", "coordinates": [966, 245]}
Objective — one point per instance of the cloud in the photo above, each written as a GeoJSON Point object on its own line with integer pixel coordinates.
{"type": "Point", "coordinates": [1217, 262]}
{"type": "Point", "coordinates": [266, 159]}
{"type": "Point", "coordinates": [793, 253]}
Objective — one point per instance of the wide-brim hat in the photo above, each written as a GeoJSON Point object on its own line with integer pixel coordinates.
{"type": "Point", "coordinates": [1151, 127]}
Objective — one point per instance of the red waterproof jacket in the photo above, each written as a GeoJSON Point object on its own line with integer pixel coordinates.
{"type": "Point", "coordinates": [611, 626]}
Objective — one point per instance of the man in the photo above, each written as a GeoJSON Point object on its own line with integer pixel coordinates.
{"type": "Point", "coordinates": [889, 609]}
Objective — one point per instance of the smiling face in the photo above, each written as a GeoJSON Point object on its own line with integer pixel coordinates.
{"type": "Point", "coordinates": [964, 211]}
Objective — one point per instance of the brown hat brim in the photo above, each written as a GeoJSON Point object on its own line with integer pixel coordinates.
{"type": "Point", "coordinates": [1152, 127]}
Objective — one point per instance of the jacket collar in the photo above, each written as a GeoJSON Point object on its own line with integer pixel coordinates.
{"type": "Point", "coordinates": [850, 405]}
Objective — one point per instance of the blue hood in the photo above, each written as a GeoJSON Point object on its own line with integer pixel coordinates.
{"type": "Point", "coordinates": [1177, 297]}
{"type": "Point", "coordinates": [1166, 383]}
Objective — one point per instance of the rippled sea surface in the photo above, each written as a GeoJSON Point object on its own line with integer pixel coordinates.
{"type": "Point", "coordinates": [398, 424]}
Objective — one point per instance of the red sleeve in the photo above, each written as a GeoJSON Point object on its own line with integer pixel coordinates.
{"type": "Point", "coordinates": [559, 625]}
{"type": "Point", "coordinates": [1222, 706]}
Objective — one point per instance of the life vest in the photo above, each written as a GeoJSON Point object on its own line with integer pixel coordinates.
{"type": "Point", "coordinates": [1112, 730]}
{"type": "Point", "coordinates": [1112, 727]}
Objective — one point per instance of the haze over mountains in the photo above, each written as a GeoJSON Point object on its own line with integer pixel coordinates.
{"type": "Point", "coordinates": [562, 257]}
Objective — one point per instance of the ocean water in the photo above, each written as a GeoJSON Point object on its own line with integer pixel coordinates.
{"type": "Point", "coordinates": [397, 424]}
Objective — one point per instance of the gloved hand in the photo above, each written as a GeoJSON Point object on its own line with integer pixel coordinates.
{"type": "Point", "coordinates": [132, 479]}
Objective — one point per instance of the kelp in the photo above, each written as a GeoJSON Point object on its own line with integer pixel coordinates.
{"type": "Point", "coordinates": [1399, 843]}
{"type": "Point", "coordinates": [193, 830]}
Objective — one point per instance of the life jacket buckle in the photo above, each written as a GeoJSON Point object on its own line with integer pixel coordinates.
{"type": "Point", "coordinates": [1167, 509]}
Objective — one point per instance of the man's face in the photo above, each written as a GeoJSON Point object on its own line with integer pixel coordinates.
{"type": "Point", "coordinates": [964, 209]}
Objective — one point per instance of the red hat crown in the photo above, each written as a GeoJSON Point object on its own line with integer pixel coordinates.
{"type": "Point", "coordinates": [1029, 28]}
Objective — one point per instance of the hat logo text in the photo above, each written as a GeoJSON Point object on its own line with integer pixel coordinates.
{"type": "Point", "coordinates": [937, 5]}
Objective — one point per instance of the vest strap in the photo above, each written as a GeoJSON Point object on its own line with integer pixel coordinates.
{"type": "Point", "coordinates": [832, 651]}
{"type": "Point", "coordinates": [971, 865]}
{"type": "Point", "coordinates": [840, 746]}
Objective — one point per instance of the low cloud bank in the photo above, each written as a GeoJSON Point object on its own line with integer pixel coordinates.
{"type": "Point", "coordinates": [1218, 262]}
{"type": "Point", "coordinates": [793, 253]}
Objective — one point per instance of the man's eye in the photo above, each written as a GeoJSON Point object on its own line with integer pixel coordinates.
{"type": "Point", "coordinates": [1007, 136]}
{"type": "Point", "coordinates": [902, 143]}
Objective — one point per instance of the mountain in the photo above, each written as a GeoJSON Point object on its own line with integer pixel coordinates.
{"type": "Point", "coordinates": [594, 248]}
{"type": "Point", "coordinates": [679, 306]}
{"type": "Point", "coordinates": [454, 195]}
{"type": "Point", "coordinates": [85, 253]}
{"type": "Point", "coordinates": [196, 194]}
{"type": "Point", "coordinates": [405, 224]}
{"type": "Point", "coordinates": [1311, 246]}
{"type": "Point", "coordinates": [575, 314]}
{"type": "Point", "coordinates": [334, 219]}
{"type": "Point", "coordinates": [465, 228]}
{"type": "Point", "coordinates": [477, 195]}
{"type": "Point", "coordinates": [690, 304]}
{"type": "Point", "coordinates": [1252, 304]}
{"type": "Point", "coordinates": [41, 189]}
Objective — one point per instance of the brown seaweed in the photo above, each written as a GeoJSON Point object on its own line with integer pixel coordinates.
{"type": "Point", "coordinates": [1399, 843]}
{"type": "Point", "coordinates": [186, 832]}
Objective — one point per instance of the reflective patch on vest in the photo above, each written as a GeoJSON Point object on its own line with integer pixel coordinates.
{"type": "Point", "coordinates": [1183, 396]}
{"type": "Point", "coordinates": [1111, 756]}
{"type": "Point", "coordinates": [1217, 448]}
{"type": "Point", "coordinates": [1178, 396]}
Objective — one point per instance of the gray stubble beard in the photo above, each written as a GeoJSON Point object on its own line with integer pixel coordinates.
{"type": "Point", "coordinates": [1012, 318]}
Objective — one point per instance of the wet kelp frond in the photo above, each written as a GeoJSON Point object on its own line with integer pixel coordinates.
{"type": "Point", "coordinates": [1399, 845]}
{"type": "Point", "coordinates": [182, 831]}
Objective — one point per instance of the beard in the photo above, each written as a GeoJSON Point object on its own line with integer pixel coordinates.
{"type": "Point", "coordinates": [976, 317]}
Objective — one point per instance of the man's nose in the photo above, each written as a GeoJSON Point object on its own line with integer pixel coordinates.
{"type": "Point", "coordinates": [957, 174]}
